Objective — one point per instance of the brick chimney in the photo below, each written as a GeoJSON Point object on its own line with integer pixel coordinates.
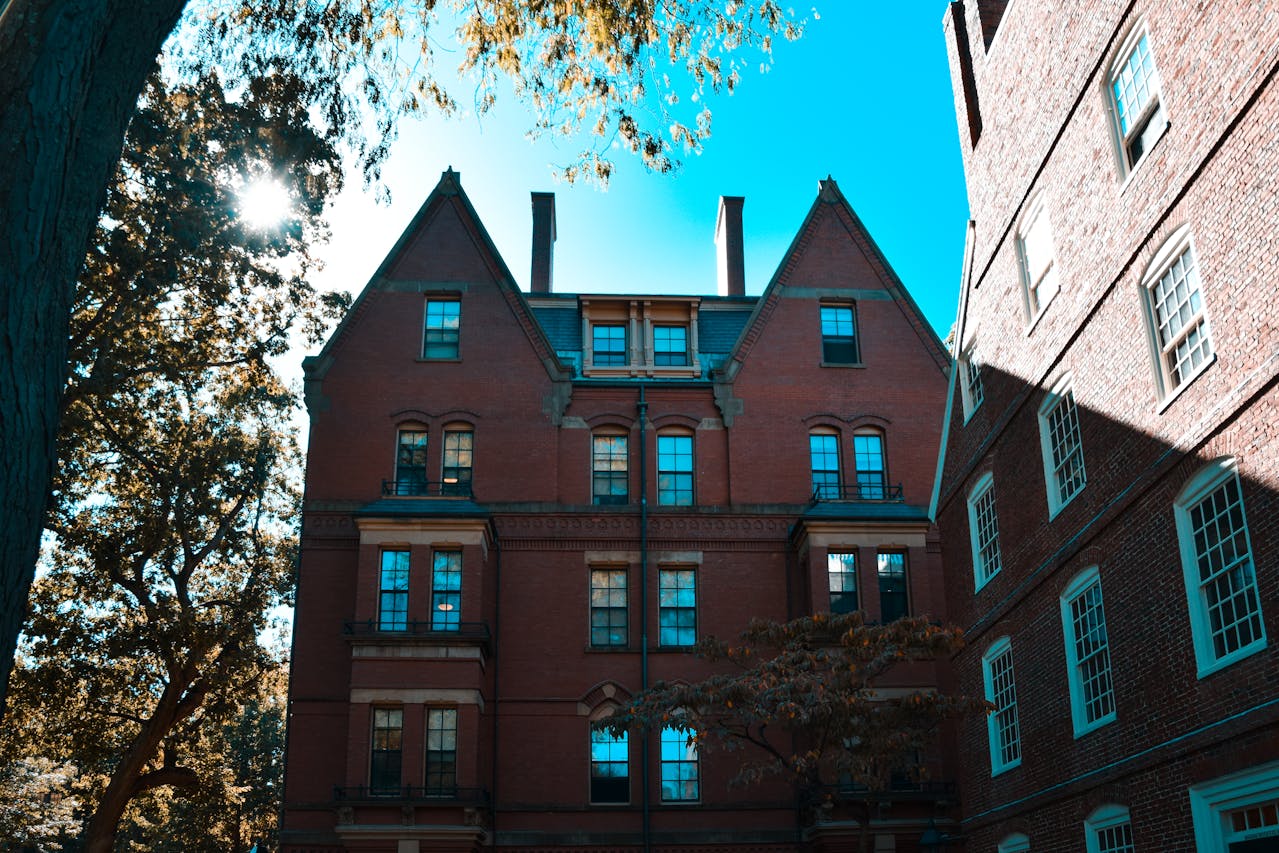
{"type": "Point", "coordinates": [543, 242]}
{"type": "Point", "coordinates": [728, 246]}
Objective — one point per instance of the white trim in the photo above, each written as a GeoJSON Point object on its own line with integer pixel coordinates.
{"type": "Point", "coordinates": [1078, 585]}
{"type": "Point", "coordinates": [1060, 393]}
{"type": "Point", "coordinates": [1030, 217]}
{"type": "Point", "coordinates": [1120, 140]}
{"type": "Point", "coordinates": [985, 485]}
{"type": "Point", "coordinates": [1210, 802]}
{"type": "Point", "coordinates": [1015, 843]}
{"type": "Point", "coordinates": [1200, 487]}
{"type": "Point", "coordinates": [1178, 243]}
{"type": "Point", "coordinates": [997, 649]}
{"type": "Point", "coordinates": [1102, 818]}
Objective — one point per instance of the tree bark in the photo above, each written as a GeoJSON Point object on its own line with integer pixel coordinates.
{"type": "Point", "coordinates": [70, 75]}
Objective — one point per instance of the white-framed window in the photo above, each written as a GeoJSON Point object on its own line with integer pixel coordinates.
{"type": "Point", "coordinates": [1083, 620]}
{"type": "Point", "coordinates": [1136, 100]}
{"type": "Point", "coordinates": [1063, 447]}
{"type": "Point", "coordinates": [1001, 724]}
{"type": "Point", "coordinates": [1015, 843]}
{"type": "Point", "coordinates": [983, 528]}
{"type": "Point", "coordinates": [1238, 813]}
{"type": "Point", "coordinates": [1216, 559]}
{"type": "Point", "coordinates": [680, 766]}
{"type": "Point", "coordinates": [1036, 259]}
{"type": "Point", "coordinates": [1173, 294]}
{"type": "Point", "coordinates": [1109, 830]}
{"type": "Point", "coordinates": [971, 391]}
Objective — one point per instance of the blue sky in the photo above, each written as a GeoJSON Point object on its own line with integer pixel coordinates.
{"type": "Point", "coordinates": [864, 96]}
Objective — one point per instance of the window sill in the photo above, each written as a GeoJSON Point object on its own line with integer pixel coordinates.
{"type": "Point", "coordinates": [1146, 158]}
{"type": "Point", "coordinates": [1087, 728]}
{"type": "Point", "coordinates": [1056, 510]}
{"type": "Point", "coordinates": [1043, 309]}
{"type": "Point", "coordinates": [982, 584]}
{"type": "Point", "coordinates": [1247, 651]}
{"type": "Point", "coordinates": [1001, 770]}
{"type": "Point", "coordinates": [1180, 389]}
{"type": "Point", "coordinates": [853, 364]}
{"type": "Point", "coordinates": [610, 650]}
{"type": "Point", "coordinates": [455, 359]}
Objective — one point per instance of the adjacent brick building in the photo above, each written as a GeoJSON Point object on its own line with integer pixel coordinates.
{"type": "Point", "coordinates": [521, 507]}
{"type": "Point", "coordinates": [1107, 492]}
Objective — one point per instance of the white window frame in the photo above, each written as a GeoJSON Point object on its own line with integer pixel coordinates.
{"type": "Point", "coordinates": [1211, 802]}
{"type": "Point", "coordinates": [1109, 816]}
{"type": "Point", "coordinates": [1199, 488]}
{"type": "Point", "coordinates": [969, 362]}
{"type": "Point", "coordinates": [982, 573]}
{"type": "Point", "coordinates": [997, 650]}
{"type": "Point", "coordinates": [1033, 286]}
{"type": "Point", "coordinates": [1078, 586]}
{"type": "Point", "coordinates": [1179, 244]}
{"type": "Point", "coordinates": [1015, 843]}
{"type": "Point", "coordinates": [1147, 115]}
{"type": "Point", "coordinates": [1062, 394]}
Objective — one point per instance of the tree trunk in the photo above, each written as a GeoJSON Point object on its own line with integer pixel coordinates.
{"type": "Point", "coordinates": [70, 75]}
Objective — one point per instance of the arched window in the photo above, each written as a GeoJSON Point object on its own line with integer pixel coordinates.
{"type": "Point", "coordinates": [823, 455]}
{"type": "Point", "coordinates": [1063, 448]}
{"type": "Point", "coordinates": [1136, 100]}
{"type": "Point", "coordinates": [1002, 725]}
{"type": "Point", "coordinates": [1109, 830]}
{"type": "Point", "coordinates": [1083, 618]}
{"type": "Point", "coordinates": [1175, 314]}
{"type": "Point", "coordinates": [1216, 559]}
{"type": "Point", "coordinates": [410, 460]}
{"type": "Point", "coordinates": [610, 475]}
{"type": "Point", "coordinates": [983, 529]}
{"type": "Point", "coordinates": [610, 763]}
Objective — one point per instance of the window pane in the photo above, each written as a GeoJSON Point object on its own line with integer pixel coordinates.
{"type": "Point", "coordinates": [839, 335]}
{"type": "Point", "coordinates": [677, 607]}
{"type": "Point", "coordinates": [1001, 692]}
{"type": "Point", "coordinates": [410, 462]}
{"type": "Point", "coordinates": [1090, 655]}
{"type": "Point", "coordinates": [610, 768]}
{"type": "Point", "coordinates": [1227, 579]}
{"type": "Point", "coordinates": [892, 586]}
{"type": "Point", "coordinates": [986, 557]}
{"type": "Point", "coordinates": [609, 345]}
{"type": "Point", "coordinates": [1179, 319]}
{"type": "Point", "coordinates": [446, 591]}
{"type": "Point", "coordinates": [458, 458]}
{"type": "Point", "coordinates": [386, 755]}
{"type": "Point", "coordinates": [609, 475]}
{"type": "Point", "coordinates": [679, 766]}
{"type": "Point", "coordinates": [823, 451]}
{"type": "Point", "coordinates": [608, 607]}
{"type": "Point", "coordinates": [393, 592]}
{"type": "Point", "coordinates": [670, 345]}
{"type": "Point", "coordinates": [441, 752]}
{"type": "Point", "coordinates": [1065, 449]}
{"type": "Point", "coordinates": [841, 570]}
{"type": "Point", "coordinates": [868, 454]}
{"type": "Point", "coordinates": [675, 470]}
{"type": "Point", "coordinates": [443, 318]}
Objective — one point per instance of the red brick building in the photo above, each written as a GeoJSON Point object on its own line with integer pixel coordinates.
{"type": "Point", "coordinates": [523, 507]}
{"type": "Point", "coordinates": [1107, 487]}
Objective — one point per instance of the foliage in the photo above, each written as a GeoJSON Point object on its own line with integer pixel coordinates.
{"type": "Point", "coordinates": [803, 694]}
{"type": "Point", "coordinates": [37, 809]}
{"type": "Point", "coordinates": [169, 531]}
{"type": "Point", "coordinates": [619, 69]}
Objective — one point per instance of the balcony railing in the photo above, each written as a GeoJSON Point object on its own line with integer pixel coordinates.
{"type": "Point", "coordinates": [875, 492]}
{"type": "Point", "coordinates": [424, 489]}
{"type": "Point", "coordinates": [412, 793]}
{"type": "Point", "coordinates": [457, 631]}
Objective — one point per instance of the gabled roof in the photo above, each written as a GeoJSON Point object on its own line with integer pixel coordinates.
{"type": "Point", "coordinates": [830, 201]}
{"type": "Point", "coordinates": [447, 193]}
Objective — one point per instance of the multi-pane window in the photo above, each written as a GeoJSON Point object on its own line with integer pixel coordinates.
{"type": "Point", "coordinates": [841, 570]}
{"type": "Point", "coordinates": [1063, 449]}
{"type": "Point", "coordinates": [839, 335]}
{"type": "Point", "coordinates": [983, 526]}
{"type": "Point", "coordinates": [1092, 696]}
{"type": "Point", "coordinates": [446, 591]}
{"type": "Point", "coordinates": [679, 766]}
{"type": "Point", "coordinates": [1109, 830]}
{"type": "Point", "coordinates": [971, 389]}
{"type": "Point", "coordinates": [1175, 300]}
{"type": "Point", "coordinates": [608, 344]}
{"type": "Point", "coordinates": [894, 601]}
{"type": "Point", "coordinates": [868, 455]}
{"type": "Point", "coordinates": [677, 607]}
{"type": "Point", "coordinates": [1238, 812]}
{"type": "Point", "coordinates": [675, 470]}
{"type": "Point", "coordinates": [670, 345]}
{"type": "Point", "coordinates": [455, 474]}
{"type": "Point", "coordinates": [443, 319]}
{"type": "Point", "coordinates": [393, 592]}
{"type": "Point", "coordinates": [1001, 724]}
{"type": "Point", "coordinates": [823, 453]}
{"type": "Point", "coordinates": [1035, 251]}
{"type": "Point", "coordinates": [1015, 843]}
{"type": "Point", "coordinates": [609, 474]}
{"type": "Point", "coordinates": [441, 752]}
{"type": "Point", "coordinates": [1134, 89]}
{"type": "Point", "coordinates": [387, 751]}
{"type": "Point", "coordinates": [610, 767]}
{"type": "Point", "coordinates": [608, 607]}
{"type": "Point", "coordinates": [410, 462]}
{"type": "Point", "coordinates": [1221, 580]}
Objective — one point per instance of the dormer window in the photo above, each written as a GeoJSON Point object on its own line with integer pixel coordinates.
{"type": "Point", "coordinates": [670, 346]}
{"type": "Point", "coordinates": [609, 344]}
{"type": "Point", "coordinates": [651, 337]}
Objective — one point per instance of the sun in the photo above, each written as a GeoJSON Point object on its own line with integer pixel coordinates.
{"type": "Point", "coordinates": [264, 203]}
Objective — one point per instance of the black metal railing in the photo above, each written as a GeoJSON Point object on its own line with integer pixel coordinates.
{"type": "Point", "coordinates": [416, 794]}
{"type": "Point", "coordinates": [424, 489]}
{"type": "Point", "coordinates": [456, 631]}
{"type": "Point", "coordinates": [874, 492]}
{"type": "Point", "coordinates": [900, 786]}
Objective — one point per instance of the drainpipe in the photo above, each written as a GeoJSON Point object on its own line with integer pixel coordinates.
{"type": "Point", "coordinates": [497, 630]}
{"type": "Point", "coordinates": [642, 409]}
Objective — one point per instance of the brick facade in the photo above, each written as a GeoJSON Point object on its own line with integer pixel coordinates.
{"type": "Point", "coordinates": [1041, 130]}
{"type": "Point", "coordinates": [535, 386]}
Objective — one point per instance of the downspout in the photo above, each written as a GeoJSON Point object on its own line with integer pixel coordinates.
{"type": "Point", "coordinates": [497, 630]}
{"type": "Point", "coordinates": [646, 806]}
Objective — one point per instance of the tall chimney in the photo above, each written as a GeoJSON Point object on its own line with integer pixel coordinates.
{"type": "Point", "coordinates": [543, 242]}
{"type": "Point", "coordinates": [728, 246]}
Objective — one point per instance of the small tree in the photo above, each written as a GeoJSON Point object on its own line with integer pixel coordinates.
{"type": "Point", "coordinates": [801, 702]}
